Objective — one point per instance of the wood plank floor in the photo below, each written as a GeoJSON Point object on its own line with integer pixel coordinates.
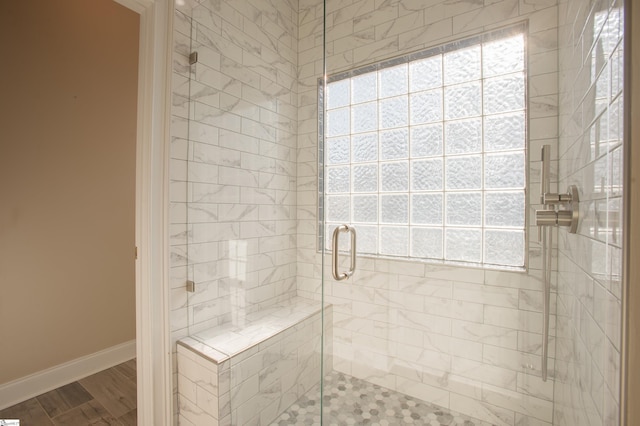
{"type": "Point", "coordinates": [105, 398]}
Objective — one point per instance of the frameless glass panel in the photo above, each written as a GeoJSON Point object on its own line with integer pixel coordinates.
{"type": "Point", "coordinates": [423, 148]}
{"type": "Point", "coordinates": [238, 160]}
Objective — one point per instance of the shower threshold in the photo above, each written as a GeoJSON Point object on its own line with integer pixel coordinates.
{"type": "Point", "coordinates": [351, 401]}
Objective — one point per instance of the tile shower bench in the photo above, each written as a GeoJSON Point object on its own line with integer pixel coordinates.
{"type": "Point", "coordinates": [249, 371]}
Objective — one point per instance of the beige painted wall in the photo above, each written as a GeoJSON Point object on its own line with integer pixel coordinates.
{"type": "Point", "coordinates": [68, 94]}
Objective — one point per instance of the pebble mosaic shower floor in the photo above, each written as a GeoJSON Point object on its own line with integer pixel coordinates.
{"type": "Point", "coordinates": [351, 401]}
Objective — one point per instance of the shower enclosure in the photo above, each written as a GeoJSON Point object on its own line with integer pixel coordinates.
{"type": "Point", "coordinates": [377, 164]}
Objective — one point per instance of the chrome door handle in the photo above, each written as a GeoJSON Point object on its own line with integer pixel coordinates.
{"type": "Point", "coordinates": [334, 255]}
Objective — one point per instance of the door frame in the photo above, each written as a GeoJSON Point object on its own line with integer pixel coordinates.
{"type": "Point", "coordinates": [153, 344]}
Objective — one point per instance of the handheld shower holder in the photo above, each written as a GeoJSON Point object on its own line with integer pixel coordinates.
{"type": "Point", "coordinates": [557, 210]}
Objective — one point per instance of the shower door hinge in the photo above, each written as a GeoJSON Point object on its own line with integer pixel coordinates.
{"type": "Point", "coordinates": [193, 58]}
{"type": "Point", "coordinates": [191, 286]}
{"type": "Point", "coordinates": [136, 252]}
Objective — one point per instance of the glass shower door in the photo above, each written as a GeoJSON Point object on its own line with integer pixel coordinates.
{"type": "Point", "coordinates": [375, 345]}
{"type": "Point", "coordinates": [424, 144]}
{"type": "Point", "coordinates": [365, 236]}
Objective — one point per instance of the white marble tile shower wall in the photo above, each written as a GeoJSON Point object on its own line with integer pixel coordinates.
{"type": "Point", "coordinates": [590, 269]}
{"type": "Point", "coordinates": [233, 160]}
{"type": "Point", "coordinates": [466, 339]}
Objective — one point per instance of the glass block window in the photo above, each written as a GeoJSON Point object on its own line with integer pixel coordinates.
{"type": "Point", "coordinates": [425, 154]}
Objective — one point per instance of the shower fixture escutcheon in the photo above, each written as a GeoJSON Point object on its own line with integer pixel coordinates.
{"type": "Point", "coordinates": [566, 216]}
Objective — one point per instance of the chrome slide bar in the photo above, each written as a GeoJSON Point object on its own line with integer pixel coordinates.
{"type": "Point", "coordinates": [557, 210]}
{"type": "Point", "coordinates": [547, 244]}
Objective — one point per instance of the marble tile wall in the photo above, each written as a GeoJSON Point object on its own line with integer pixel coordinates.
{"type": "Point", "coordinates": [466, 339]}
{"type": "Point", "coordinates": [233, 160]}
{"type": "Point", "coordinates": [590, 269]}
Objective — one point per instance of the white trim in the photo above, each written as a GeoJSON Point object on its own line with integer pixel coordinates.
{"type": "Point", "coordinates": [155, 390]}
{"type": "Point", "coordinates": [35, 384]}
{"type": "Point", "coordinates": [153, 346]}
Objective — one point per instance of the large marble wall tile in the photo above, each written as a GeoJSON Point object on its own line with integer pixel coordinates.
{"type": "Point", "coordinates": [589, 306]}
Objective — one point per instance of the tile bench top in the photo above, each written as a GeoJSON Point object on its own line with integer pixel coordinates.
{"type": "Point", "coordinates": [248, 330]}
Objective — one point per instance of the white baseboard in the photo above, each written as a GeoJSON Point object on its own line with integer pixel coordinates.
{"type": "Point", "coordinates": [43, 381]}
